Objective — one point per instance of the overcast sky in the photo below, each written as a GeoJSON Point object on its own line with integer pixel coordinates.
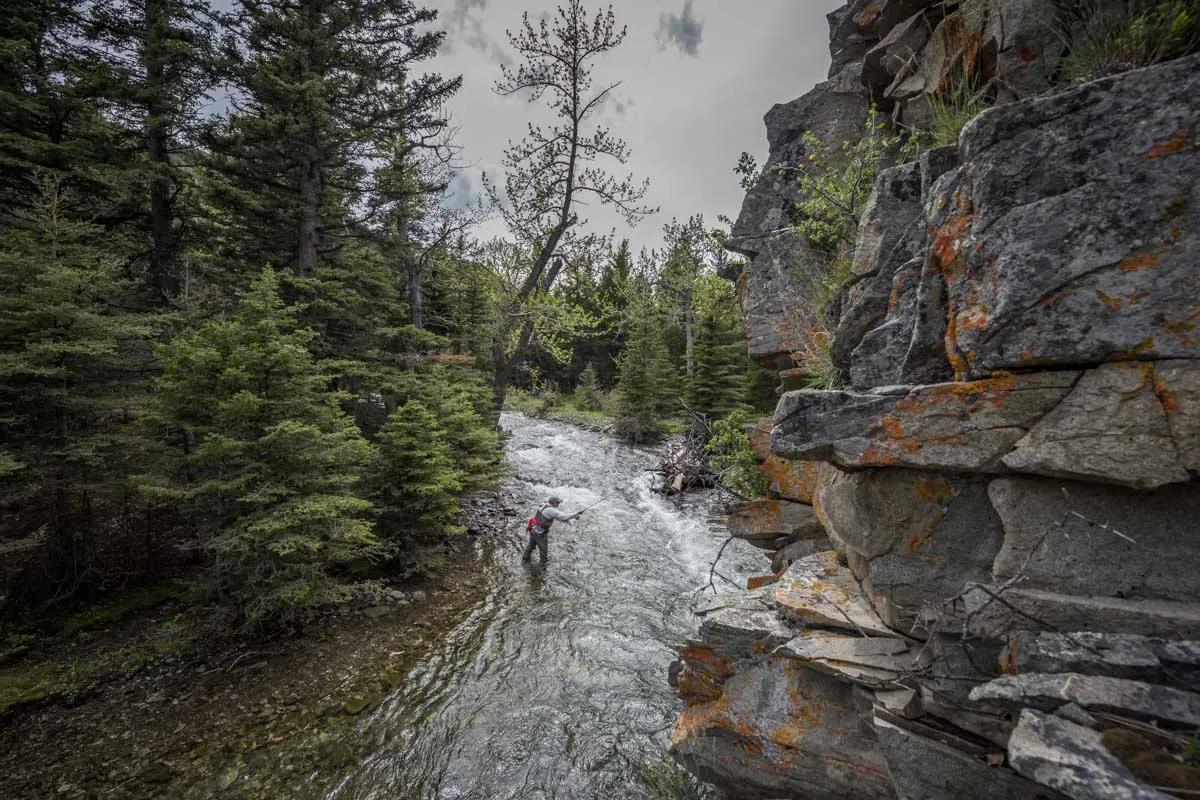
{"type": "Point", "coordinates": [697, 78]}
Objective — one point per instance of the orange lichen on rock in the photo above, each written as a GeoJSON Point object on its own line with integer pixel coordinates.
{"type": "Point", "coordinates": [1139, 262]}
{"type": "Point", "coordinates": [1114, 303]}
{"type": "Point", "coordinates": [704, 672]}
{"type": "Point", "coordinates": [1178, 143]}
{"type": "Point", "coordinates": [795, 480]}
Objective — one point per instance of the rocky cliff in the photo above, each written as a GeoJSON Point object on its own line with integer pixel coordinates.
{"type": "Point", "coordinates": [985, 544]}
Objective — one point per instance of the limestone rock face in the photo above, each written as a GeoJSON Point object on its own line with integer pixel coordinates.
{"type": "Point", "coordinates": [834, 112]}
{"type": "Point", "coordinates": [916, 537]}
{"type": "Point", "coordinates": [781, 730]}
{"type": "Point", "coordinates": [1114, 278]}
{"type": "Point", "coordinates": [1049, 541]}
{"type": "Point", "coordinates": [1008, 483]}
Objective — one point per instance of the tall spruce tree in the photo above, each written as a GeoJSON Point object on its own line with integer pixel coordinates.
{"type": "Point", "coordinates": [154, 64]}
{"type": "Point", "coordinates": [645, 376]}
{"type": "Point", "coordinates": [266, 461]}
{"type": "Point", "coordinates": [719, 385]}
{"type": "Point", "coordinates": [328, 87]}
{"type": "Point", "coordinates": [69, 357]}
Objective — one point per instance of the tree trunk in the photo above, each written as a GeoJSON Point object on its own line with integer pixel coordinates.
{"type": "Point", "coordinates": [310, 217]}
{"type": "Point", "coordinates": [164, 249]}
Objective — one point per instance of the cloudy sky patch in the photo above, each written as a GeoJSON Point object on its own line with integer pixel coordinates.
{"type": "Point", "coordinates": [681, 30]}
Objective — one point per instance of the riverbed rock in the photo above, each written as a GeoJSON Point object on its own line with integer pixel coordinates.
{"type": "Point", "coordinates": [779, 729]}
{"type": "Point", "coordinates": [966, 426]}
{"type": "Point", "coordinates": [742, 632]}
{"type": "Point", "coordinates": [797, 550]}
{"type": "Point", "coordinates": [1121, 696]}
{"type": "Point", "coordinates": [919, 537]}
{"type": "Point", "coordinates": [876, 663]}
{"type": "Point", "coordinates": [1072, 759]}
{"type": "Point", "coordinates": [1054, 536]}
{"type": "Point", "coordinates": [763, 522]}
{"type": "Point", "coordinates": [1114, 278]}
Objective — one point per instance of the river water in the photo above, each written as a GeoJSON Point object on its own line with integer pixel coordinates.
{"type": "Point", "coordinates": [556, 685]}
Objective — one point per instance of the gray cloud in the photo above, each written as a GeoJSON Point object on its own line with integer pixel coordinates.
{"type": "Point", "coordinates": [681, 30]}
{"type": "Point", "coordinates": [463, 21]}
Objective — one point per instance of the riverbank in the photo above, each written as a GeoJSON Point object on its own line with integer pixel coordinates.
{"type": "Point", "coordinates": [156, 704]}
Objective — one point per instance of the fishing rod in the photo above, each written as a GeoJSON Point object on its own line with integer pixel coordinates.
{"type": "Point", "coordinates": [598, 502]}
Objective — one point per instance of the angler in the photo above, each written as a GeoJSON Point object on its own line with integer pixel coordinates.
{"type": "Point", "coordinates": [539, 528]}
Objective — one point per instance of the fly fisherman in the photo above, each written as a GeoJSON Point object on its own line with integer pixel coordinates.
{"type": "Point", "coordinates": [539, 528]}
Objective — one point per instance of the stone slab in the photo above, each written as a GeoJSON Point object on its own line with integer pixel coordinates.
{"type": "Point", "coordinates": [1145, 701]}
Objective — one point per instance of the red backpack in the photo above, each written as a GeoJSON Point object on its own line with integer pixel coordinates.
{"type": "Point", "coordinates": [536, 520]}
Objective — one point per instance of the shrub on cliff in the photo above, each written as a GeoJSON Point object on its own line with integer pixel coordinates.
{"type": "Point", "coordinates": [1110, 36]}
{"type": "Point", "coordinates": [264, 460]}
{"type": "Point", "coordinates": [732, 458]}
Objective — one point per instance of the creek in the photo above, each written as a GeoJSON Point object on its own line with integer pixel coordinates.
{"type": "Point", "coordinates": [555, 686]}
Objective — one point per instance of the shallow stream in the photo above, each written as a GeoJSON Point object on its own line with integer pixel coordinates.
{"type": "Point", "coordinates": [556, 685]}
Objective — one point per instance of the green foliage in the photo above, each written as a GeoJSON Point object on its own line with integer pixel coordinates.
{"type": "Point", "coordinates": [732, 458]}
{"type": "Point", "coordinates": [645, 376]}
{"type": "Point", "coordinates": [68, 380]}
{"type": "Point", "coordinates": [952, 110]}
{"type": "Point", "coordinates": [719, 386]}
{"type": "Point", "coordinates": [415, 485]}
{"type": "Point", "coordinates": [587, 390]}
{"type": "Point", "coordinates": [1109, 36]}
{"type": "Point", "coordinates": [836, 182]}
{"type": "Point", "coordinates": [267, 461]}
{"type": "Point", "coordinates": [816, 359]}
{"type": "Point", "coordinates": [121, 606]}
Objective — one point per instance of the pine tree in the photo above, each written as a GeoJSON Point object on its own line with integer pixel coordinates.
{"type": "Point", "coordinates": [645, 375]}
{"type": "Point", "coordinates": [416, 485]}
{"type": "Point", "coordinates": [267, 461]}
{"type": "Point", "coordinates": [329, 88]}
{"type": "Point", "coordinates": [719, 386]}
{"type": "Point", "coordinates": [587, 389]}
{"type": "Point", "coordinates": [69, 386]}
{"type": "Point", "coordinates": [155, 62]}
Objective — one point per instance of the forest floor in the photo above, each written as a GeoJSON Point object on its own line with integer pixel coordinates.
{"type": "Point", "coordinates": [141, 699]}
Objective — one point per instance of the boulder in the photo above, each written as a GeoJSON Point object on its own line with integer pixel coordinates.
{"type": "Point", "coordinates": [834, 112]}
{"type": "Point", "coordinates": [1145, 701]}
{"type": "Point", "coordinates": [890, 234]}
{"type": "Point", "coordinates": [1072, 759]}
{"type": "Point", "coordinates": [743, 632]}
{"type": "Point", "coordinates": [924, 769]}
{"type": "Point", "coordinates": [880, 353]}
{"type": "Point", "coordinates": [795, 551]}
{"type": "Point", "coordinates": [791, 480]}
{"type": "Point", "coordinates": [967, 426]}
{"type": "Point", "coordinates": [1036, 609]}
{"type": "Point", "coordinates": [820, 591]}
{"type": "Point", "coordinates": [920, 537]}
{"type": "Point", "coordinates": [776, 291]}
{"type": "Point", "coordinates": [1111, 654]}
{"type": "Point", "coordinates": [763, 522]}
{"type": "Point", "coordinates": [1114, 278]}
{"type": "Point", "coordinates": [779, 729]}
{"type": "Point", "coordinates": [1049, 540]}
{"type": "Point", "coordinates": [876, 663]}
{"type": "Point", "coordinates": [1113, 427]}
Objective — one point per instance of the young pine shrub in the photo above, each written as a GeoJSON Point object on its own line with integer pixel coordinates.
{"type": "Point", "coordinates": [266, 462]}
{"type": "Point", "coordinates": [732, 458]}
{"type": "Point", "coordinates": [587, 390]}
{"type": "Point", "coordinates": [416, 485]}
